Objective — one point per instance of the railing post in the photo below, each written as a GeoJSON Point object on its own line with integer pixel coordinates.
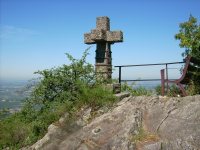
{"type": "Point", "coordinates": [120, 74]}
{"type": "Point", "coordinates": [162, 72]}
{"type": "Point", "coordinates": [167, 77]}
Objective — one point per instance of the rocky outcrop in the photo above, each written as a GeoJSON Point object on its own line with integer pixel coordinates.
{"type": "Point", "coordinates": [146, 123]}
{"type": "Point", "coordinates": [176, 121]}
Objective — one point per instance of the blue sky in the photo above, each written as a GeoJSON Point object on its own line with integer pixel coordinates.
{"type": "Point", "coordinates": [36, 34]}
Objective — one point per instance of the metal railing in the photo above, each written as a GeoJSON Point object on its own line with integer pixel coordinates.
{"type": "Point", "coordinates": [140, 65]}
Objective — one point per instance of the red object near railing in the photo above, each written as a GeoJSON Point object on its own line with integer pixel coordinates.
{"type": "Point", "coordinates": [177, 81]}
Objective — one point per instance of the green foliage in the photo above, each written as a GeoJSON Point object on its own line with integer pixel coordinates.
{"type": "Point", "coordinates": [158, 90]}
{"type": "Point", "coordinates": [60, 90]}
{"type": "Point", "coordinates": [95, 96]}
{"type": "Point", "coordinates": [144, 136]}
{"type": "Point", "coordinates": [189, 36]}
{"type": "Point", "coordinates": [3, 113]}
{"type": "Point", "coordinates": [139, 91]}
{"type": "Point", "coordinates": [141, 135]}
{"type": "Point", "coordinates": [59, 83]}
{"type": "Point", "coordinates": [126, 87]}
{"type": "Point", "coordinates": [173, 90]}
{"type": "Point", "coordinates": [192, 88]}
{"type": "Point", "coordinates": [11, 131]}
{"type": "Point", "coordinates": [142, 91]}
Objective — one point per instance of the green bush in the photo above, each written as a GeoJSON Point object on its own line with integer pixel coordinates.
{"type": "Point", "coordinates": [189, 36]}
{"type": "Point", "coordinates": [192, 88]}
{"type": "Point", "coordinates": [95, 96]}
{"type": "Point", "coordinates": [173, 90]}
{"type": "Point", "coordinates": [158, 90]}
{"type": "Point", "coordinates": [139, 91]}
{"type": "Point", "coordinates": [60, 90]}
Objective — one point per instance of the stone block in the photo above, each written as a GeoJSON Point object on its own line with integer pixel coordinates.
{"type": "Point", "coordinates": [87, 39]}
{"type": "Point", "coordinates": [103, 23]}
{"type": "Point", "coordinates": [98, 35]}
{"type": "Point", "coordinates": [114, 87]}
{"type": "Point", "coordinates": [114, 36]}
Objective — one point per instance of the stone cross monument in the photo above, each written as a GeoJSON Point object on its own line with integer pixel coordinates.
{"type": "Point", "coordinates": [103, 38]}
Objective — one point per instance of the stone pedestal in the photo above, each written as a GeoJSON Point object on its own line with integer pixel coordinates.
{"type": "Point", "coordinates": [115, 87]}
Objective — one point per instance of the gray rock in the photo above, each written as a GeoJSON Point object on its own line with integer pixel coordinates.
{"type": "Point", "coordinates": [175, 122]}
{"type": "Point", "coordinates": [63, 119]}
{"type": "Point", "coordinates": [85, 116]}
{"type": "Point", "coordinates": [153, 146]}
{"type": "Point", "coordinates": [122, 95]}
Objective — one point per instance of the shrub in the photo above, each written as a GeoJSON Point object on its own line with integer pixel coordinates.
{"type": "Point", "coordinates": [189, 36]}
{"type": "Point", "coordinates": [173, 90]}
{"type": "Point", "coordinates": [139, 91]}
{"type": "Point", "coordinates": [158, 90]}
{"type": "Point", "coordinates": [60, 90]}
{"type": "Point", "coordinates": [95, 96]}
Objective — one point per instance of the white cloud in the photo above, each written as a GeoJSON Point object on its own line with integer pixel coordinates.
{"type": "Point", "coordinates": [16, 33]}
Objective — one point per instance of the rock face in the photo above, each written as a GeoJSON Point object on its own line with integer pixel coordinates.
{"type": "Point", "coordinates": [177, 122]}
{"type": "Point", "coordinates": [168, 124]}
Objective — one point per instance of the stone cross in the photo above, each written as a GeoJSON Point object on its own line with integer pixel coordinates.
{"type": "Point", "coordinates": [103, 38]}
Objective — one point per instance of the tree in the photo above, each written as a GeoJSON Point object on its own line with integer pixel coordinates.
{"type": "Point", "coordinates": [189, 36]}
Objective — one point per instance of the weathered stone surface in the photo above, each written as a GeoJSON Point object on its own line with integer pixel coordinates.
{"type": "Point", "coordinates": [53, 131]}
{"type": "Point", "coordinates": [98, 35]}
{"type": "Point", "coordinates": [122, 95]}
{"type": "Point", "coordinates": [102, 32]}
{"type": "Point", "coordinates": [177, 122]}
{"type": "Point", "coordinates": [87, 39]}
{"type": "Point", "coordinates": [63, 119]}
{"type": "Point", "coordinates": [103, 23]}
{"type": "Point", "coordinates": [86, 114]}
{"type": "Point", "coordinates": [174, 121]}
{"type": "Point", "coordinates": [114, 36]}
{"type": "Point", "coordinates": [112, 130]}
{"type": "Point", "coordinates": [102, 35]}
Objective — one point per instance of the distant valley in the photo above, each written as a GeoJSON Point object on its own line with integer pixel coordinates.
{"type": "Point", "coordinates": [13, 94]}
